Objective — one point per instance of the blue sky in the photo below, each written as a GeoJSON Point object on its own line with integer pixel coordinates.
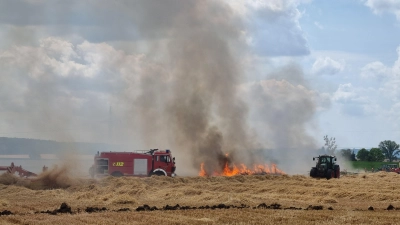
{"type": "Point", "coordinates": [308, 68]}
{"type": "Point", "coordinates": [350, 26]}
{"type": "Point", "coordinates": [350, 31]}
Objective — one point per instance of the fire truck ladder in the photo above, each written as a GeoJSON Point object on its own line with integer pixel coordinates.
{"type": "Point", "coordinates": [151, 151]}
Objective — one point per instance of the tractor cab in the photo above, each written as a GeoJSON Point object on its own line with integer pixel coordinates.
{"type": "Point", "coordinates": [326, 161]}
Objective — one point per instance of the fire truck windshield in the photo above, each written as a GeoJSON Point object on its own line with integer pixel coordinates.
{"type": "Point", "coordinates": [165, 158]}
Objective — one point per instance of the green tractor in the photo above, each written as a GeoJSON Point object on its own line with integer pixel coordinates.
{"type": "Point", "coordinates": [326, 167]}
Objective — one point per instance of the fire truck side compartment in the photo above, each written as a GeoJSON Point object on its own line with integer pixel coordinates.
{"type": "Point", "coordinates": [140, 167]}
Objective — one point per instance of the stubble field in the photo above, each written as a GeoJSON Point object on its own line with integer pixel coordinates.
{"type": "Point", "coordinates": [257, 199]}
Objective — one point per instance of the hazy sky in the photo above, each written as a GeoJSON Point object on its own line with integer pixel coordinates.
{"type": "Point", "coordinates": [305, 67]}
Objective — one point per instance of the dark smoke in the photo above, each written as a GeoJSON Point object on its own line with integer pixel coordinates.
{"type": "Point", "coordinates": [204, 115]}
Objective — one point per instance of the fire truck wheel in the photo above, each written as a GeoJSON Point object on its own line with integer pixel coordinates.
{"type": "Point", "coordinates": [159, 173]}
{"type": "Point", "coordinates": [117, 174]}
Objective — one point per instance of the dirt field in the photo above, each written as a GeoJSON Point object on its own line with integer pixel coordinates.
{"type": "Point", "coordinates": [257, 199]}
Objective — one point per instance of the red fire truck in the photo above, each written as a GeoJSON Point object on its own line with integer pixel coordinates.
{"type": "Point", "coordinates": [137, 163]}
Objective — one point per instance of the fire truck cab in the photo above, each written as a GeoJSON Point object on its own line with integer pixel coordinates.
{"type": "Point", "coordinates": [137, 163]}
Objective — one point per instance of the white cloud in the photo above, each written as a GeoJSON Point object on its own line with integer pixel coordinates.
{"type": "Point", "coordinates": [59, 57]}
{"type": "Point", "coordinates": [381, 99]}
{"type": "Point", "coordinates": [396, 66]}
{"type": "Point", "coordinates": [272, 26]}
{"type": "Point", "coordinates": [327, 66]}
{"type": "Point", "coordinates": [275, 5]}
{"type": "Point", "coordinates": [389, 76]}
{"type": "Point", "coordinates": [394, 114]}
{"type": "Point", "coordinates": [375, 70]}
{"type": "Point", "coordinates": [317, 24]}
{"type": "Point", "coordinates": [54, 57]}
{"type": "Point", "coordinates": [345, 93]}
{"type": "Point", "coordinates": [89, 67]}
{"type": "Point", "coordinates": [355, 101]}
{"type": "Point", "coordinates": [58, 84]}
{"type": "Point", "coordinates": [391, 88]}
{"type": "Point", "coordinates": [381, 6]}
{"type": "Point", "coordinates": [244, 7]}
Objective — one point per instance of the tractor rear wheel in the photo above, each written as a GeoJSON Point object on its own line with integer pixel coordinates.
{"type": "Point", "coordinates": [330, 174]}
{"type": "Point", "coordinates": [313, 172]}
{"type": "Point", "coordinates": [337, 171]}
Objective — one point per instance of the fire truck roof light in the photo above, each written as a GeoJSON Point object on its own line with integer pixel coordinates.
{"type": "Point", "coordinates": [168, 151]}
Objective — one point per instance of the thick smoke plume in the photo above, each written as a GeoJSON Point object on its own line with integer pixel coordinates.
{"type": "Point", "coordinates": [173, 71]}
{"type": "Point", "coordinates": [197, 102]}
{"type": "Point", "coordinates": [204, 115]}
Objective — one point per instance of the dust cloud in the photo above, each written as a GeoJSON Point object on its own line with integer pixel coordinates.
{"type": "Point", "coordinates": [58, 176]}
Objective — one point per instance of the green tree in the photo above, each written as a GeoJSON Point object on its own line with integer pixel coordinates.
{"type": "Point", "coordinates": [376, 155]}
{"type": "Point", "coordinates": [346, 154]}
{"type": "Point", "coordinates": [390, 149]}
{"type": "Point", "coordinates": [363, 154]}
{"type": "Point", "coordinates": [353, 156]}
{"type": "Point", "coordinates": [330, 144]}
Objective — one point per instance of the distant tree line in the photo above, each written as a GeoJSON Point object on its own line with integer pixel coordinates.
{"type": "Point", "coordinates": [386, 150]}
{"type": "Point", "coordinates": [373, 155]}
{"type": "Point", "coordinates": [33, 147]}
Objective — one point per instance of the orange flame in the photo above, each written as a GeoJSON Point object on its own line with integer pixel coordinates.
{"type": "Point", "coordinates": [202, 172]}
{"type": "Point", "coordinates": [242, 169]}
